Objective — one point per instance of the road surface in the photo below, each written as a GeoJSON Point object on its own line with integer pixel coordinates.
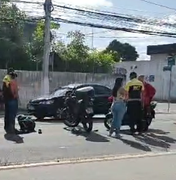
{"type": "Point", "coordinates": [56, 142]}
{"type": "Point", "coordinates": [155, 168]}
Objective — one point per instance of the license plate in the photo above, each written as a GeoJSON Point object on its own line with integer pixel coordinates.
{"type": "Point", "coordinates": [89, 110]}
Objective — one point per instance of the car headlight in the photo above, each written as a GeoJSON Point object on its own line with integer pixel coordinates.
{"type": "Point", "coordinates": [47, 102]}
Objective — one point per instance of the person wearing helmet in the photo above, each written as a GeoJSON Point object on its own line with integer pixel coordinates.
{"type": "Point", "coordinates": [10, 96]}
{"type": "Point", "coordinates": [134, 89]}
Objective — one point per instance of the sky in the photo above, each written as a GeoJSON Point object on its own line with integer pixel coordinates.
{"type": "Point", "coordinates": [101, 37]}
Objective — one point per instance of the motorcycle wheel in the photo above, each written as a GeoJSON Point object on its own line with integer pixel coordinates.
{"type": "Point", "coordinates": [70, 121]}
{"type": "Point", "coordinates": [108, 122]}
{"type": "Point", "coordinates": [147, 124]}
{"type": "Point", "coordinates": [88, 126]}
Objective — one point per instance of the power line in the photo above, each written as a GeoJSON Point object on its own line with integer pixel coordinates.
{"type": "Point", "coordinates": [119, 37]}
{"type": "Point", "coordinates": [109, 16]}
{"type": "Point", "coordinates": [114, 17]}
{"type": "Point", "coordinates": [166, 34]}
{"type": "Point", "coordinates": [160, 5]}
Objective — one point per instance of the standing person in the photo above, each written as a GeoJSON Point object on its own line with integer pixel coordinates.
{"type": "Point", "coordinates": [134, 89]}
{"type": "Point", "coordinates": [149, 93]}
{"type": "Point", "coordinates": [10, 95]}
{"type": "Point", "coordinates": [118, 107]}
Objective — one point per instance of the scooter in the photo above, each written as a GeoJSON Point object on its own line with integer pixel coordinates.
{"type": "Point", "coordinates": [148, 116]}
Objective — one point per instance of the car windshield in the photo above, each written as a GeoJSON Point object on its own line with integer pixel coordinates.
{"type": "Point", "coordinates": [60, 92]}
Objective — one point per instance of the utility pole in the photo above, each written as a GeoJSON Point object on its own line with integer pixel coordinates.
{"type": "Point", "coordinates": [93, 49]}
{"type": "Point", "coordinates": [92, 39]}
{"type": "Point", "coordinates": [46, 52]}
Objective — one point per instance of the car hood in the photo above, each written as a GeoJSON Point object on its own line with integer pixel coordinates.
{"type": "Point", "coordinates": [56, 94]}
{"type": "Point", "coordinates": [46, 97]}
{"type": "Point", "coordinates": [40, 98]}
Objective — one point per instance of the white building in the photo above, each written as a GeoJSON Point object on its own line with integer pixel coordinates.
{"type": "Point", "coordinates": [153, 70]}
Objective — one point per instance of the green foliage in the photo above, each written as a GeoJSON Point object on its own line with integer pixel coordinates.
{"type": "Point", "coordinates": [11, 35]}
{"type": "Point", "coordinates": [100, 61]}
{"type": "Point", "coordinates": [122, 51]}
{"type": "Point", "coordinates": [77, 57]}
{"type": "Point", "coordinates": [37, 43]}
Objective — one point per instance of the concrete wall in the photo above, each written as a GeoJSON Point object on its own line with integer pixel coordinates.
{"type": "Point", "coordinates": [30, 82]}
{"type": "Point", "coordinates": [154, 68]}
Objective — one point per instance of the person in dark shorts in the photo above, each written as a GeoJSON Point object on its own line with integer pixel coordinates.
{"type": "Point", "coordinates": [134, 89]}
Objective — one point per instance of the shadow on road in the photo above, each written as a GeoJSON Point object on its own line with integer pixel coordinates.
{"type": "Point", "coordinates": [154, 137]}
{"type": "Point", "coordinates": [14, 138]}
{"type": "Point", "coordinates": [93, 136]}
{"type": "Point", "coordinates": [156, 140]}
{"type": "Point", "coordinates": [155, 131]}
{"type": "Point", "coordinates": [136, 145]}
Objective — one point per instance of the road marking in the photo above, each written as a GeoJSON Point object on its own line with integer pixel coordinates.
{"type": "Point", "coordinates": [88, 160]}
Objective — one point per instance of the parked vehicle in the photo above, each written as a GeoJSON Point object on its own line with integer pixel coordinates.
{"type": "Point", "coordinates": [79, 108]}
{"type": "Point", "coordinates": [148, 116]}
{"type": "Point", "coordinates": [52, 105]}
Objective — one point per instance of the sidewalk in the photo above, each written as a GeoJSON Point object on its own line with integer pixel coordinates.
{"type": "Point", "coordinates": [153, 168]}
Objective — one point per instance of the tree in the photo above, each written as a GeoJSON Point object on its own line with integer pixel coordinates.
{"type": "Point", "coordinates": [123, 51]}
{"type": "Point", "coordinates": [12, 47]}
{"type": "Point", "coordinates": [77, 52]}
{"type": "Point", "coordinates": [77, 48]}
{"type": "Point", "coordinates": [100, 62]}
{"type": "Point", "coordinates": [37, 44]}
{"type": "Point", "coordinates": [77, 57]}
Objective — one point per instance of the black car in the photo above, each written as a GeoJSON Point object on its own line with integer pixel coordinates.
{"type": "Point", "coordinates": [52, 105]}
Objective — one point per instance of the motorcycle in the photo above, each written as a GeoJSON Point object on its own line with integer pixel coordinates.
{"type": "Point", "coordinates": [148, 116]}
{"type": "Point", "coordinates": [79, 108]}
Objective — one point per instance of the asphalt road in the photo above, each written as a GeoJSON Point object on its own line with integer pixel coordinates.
{"type": "Point", "coordinates": [56, 142]}
{"type": "Point", "coordinates": [155, 168]}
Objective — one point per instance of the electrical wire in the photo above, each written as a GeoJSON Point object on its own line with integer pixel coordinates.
{"type": "Point", "coordinates": [160, 5]}
{"type": "Point", "coordinates": [110, 17]}
{"type": "Point", "coordinates": [166, 34]}
{"type": "Point", "coordinates": [103, 14]}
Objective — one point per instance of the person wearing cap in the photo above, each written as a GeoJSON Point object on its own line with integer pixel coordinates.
{"type": "Point", "coordinates": [10, 95]}
{"type": "Point", "coordinates": [134, 89]}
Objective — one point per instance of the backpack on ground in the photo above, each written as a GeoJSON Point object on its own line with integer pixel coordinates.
{"type": "Point", "coordinates": [26, 123]}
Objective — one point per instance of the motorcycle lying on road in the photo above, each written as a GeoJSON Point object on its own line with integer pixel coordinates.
{"type": "Point", "coordinates": [79, 108]}
{"type": "Point", "coordinates": [148, 116]}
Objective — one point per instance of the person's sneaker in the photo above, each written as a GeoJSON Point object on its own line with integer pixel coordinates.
{"type": "Point", "coordinates": [110, 133]}
{"type": "Point", "coordinates": [140, 133]}
{"type": "Point", "coordinates": [118, 136]}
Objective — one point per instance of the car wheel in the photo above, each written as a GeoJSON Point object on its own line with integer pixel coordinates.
{"type": "Point", "coordinates": [59, 114]}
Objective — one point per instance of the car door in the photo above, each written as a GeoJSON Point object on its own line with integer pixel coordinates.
{"type": "Point", "coordinates": [101, 103]}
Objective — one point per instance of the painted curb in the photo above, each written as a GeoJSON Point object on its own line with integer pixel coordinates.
{"type": "Point", "coordinates": [87, 160]}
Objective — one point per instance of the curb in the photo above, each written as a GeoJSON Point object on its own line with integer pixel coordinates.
{"type": "Point", "coordinates": [87, 160]}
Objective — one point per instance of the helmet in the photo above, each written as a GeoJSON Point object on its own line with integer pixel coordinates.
{"type": "Point", "coordinates": [12, 72]}
{"type": "Point", "coordinates": [133, 75]}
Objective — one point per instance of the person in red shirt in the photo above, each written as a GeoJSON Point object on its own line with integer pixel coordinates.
{"type": "Point", "coordinates": [149, 91]}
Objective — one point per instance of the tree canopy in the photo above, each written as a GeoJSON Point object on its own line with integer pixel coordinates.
{"type": "Point", "coordinates": [122, 51]}
{"type": "Point", "coordinates": [75, 56]}
{"type": "Point", "coordinates": [12, 47]}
